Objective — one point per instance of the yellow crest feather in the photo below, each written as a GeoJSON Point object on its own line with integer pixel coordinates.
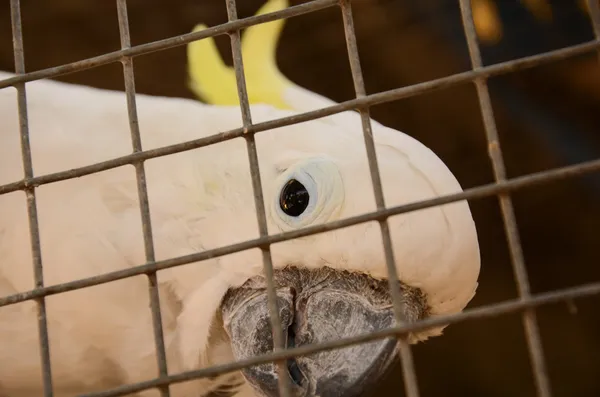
{"type": "Point", "coordinates": [214, 82]}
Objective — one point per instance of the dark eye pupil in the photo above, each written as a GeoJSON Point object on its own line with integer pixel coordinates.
{"type": "Point", "coordinates": [294, 198]}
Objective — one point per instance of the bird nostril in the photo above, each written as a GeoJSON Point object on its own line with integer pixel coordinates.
{"type": "Point", "coordinates": [295, 372]}
{"type": "Point", "coordinates": [292, 365]}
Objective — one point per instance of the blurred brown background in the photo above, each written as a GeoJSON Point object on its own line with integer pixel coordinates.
{"type": "Point", "coordinates": [547, 117]}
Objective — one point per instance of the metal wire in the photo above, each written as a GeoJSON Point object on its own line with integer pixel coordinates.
{"type": "Point", "coordinates": [34, 230]}
{"type": "Point", "coordinates": [494, 310]}
{"type": "Point", "coordinates": [140, 175]}
{"type": "Point", "coordinates": [278, 338]}
{"type": "Point", "coordinates": [483, 191]}
{"type": "Point", "coordinates": [532, 332]}
{"type": "Point", "coordinates": [501, 187]}
{"type": "Point", "coordinates": [408, 366]}
{"type": "Point", "coordinates": [372, 99]}
{"type": "Point", "coordinates": [171, 42]}
{"type": "Point", "coordinates": [489, 311]}
{"type": "Point", "coordinates": [594, 10]}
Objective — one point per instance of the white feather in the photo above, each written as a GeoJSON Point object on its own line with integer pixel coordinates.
{"type": "Point", "coordinates": [202, 199]}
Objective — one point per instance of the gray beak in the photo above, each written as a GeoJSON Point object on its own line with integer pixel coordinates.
{"type": "Point", "coordinates": [317, 306]}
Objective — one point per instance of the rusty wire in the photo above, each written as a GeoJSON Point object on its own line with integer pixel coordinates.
{"type": "Point", "coordinates": [278, 338]}
{"type": "Point", "coordinates": [526, 303]}
{"type": "Point", "coordinates": [594, 11]}
{"type": "Point", "coordinates": [140, 176]}
{"type": "Point", "coordinates": [408, 366]}
{"type": "Point", "coordinates": [34, 230]}
{"type": "Point", "coordinates": [368, 100]}
{"type": "Point", "coordinates": [532, 333]}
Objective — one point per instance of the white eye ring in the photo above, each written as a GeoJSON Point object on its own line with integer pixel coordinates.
{"type": "Point", "coordinates": [323, 182]}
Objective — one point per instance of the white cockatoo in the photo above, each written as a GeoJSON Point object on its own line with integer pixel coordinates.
{"type": "Point", "coordinates": [329, 286]}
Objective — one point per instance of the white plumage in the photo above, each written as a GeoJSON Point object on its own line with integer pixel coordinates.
{"type": "Point", "coordinates": [101, 336]}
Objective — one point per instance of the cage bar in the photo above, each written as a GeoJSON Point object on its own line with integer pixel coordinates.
{"type": "Point", "coordinates": [482, 191]}
{"type": "Point", "coordinates": [372, 99]}
{"type": "Point", "coordinates": [408, 366]}
{"type": "Point", "coordinates": [532, 332]}
{"type": "Point", "coordinates": [140, 176]}
{"type": "Point", "coordinates": [283, 379]}
{"type": "Point", "coordinates": [34, 231]}
{"type": "Point", "coordinates": [594, 11]}
{"type": "Point", "coordinates": [489, 311]}
{"type": "Point", "coordinates": [170, 42]}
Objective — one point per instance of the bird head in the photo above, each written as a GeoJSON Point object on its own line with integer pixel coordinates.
{"type": "Point", "coordinates": [334, 284]}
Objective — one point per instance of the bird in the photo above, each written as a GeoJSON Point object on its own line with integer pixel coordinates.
{"type": "Point", "coordinates": [328, 286]}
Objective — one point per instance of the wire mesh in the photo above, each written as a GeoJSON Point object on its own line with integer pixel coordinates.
{"type": "Point", "coordinates": [594, 11]}
{"type": "Point", "coordinates": [238, 65]}
{"type": "Point", "coordinates": [502, 187]}
{"type": "Point", "coordinates": [140, 176]}
{"type": "Point", "coordinates": [408, 366]}
{"type": "Point", "coordinates": [532, 332]}
{"type": "Point", "coordinates": [34, 230]}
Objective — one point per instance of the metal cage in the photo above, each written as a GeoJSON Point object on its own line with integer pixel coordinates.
{"type": "Point", "coordinates": [526, 303]}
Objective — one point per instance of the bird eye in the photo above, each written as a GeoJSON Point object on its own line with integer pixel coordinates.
{"type": "Point", "coordinates": [306, 192]}
{"type": "Point", "coordinates": [294, 198]}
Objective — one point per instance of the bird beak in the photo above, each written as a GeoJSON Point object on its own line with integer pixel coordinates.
{"type": "Point", "coordinates": [316, 306]}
